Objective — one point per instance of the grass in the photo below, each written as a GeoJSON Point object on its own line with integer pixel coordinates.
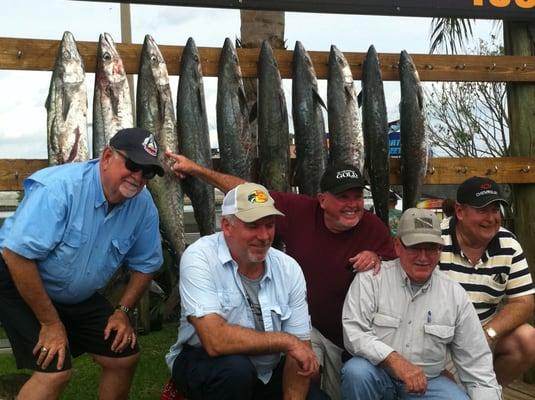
{"type": "Point", "coordinates": [150, 378]}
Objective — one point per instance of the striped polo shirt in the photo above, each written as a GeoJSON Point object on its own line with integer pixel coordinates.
{"type": "Point", "coordinates": [502, 272]}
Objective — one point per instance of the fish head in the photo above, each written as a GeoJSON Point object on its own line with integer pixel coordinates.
{"type": "Point", "coordinates": [152, 58]}
{"type": "Point", "coordinates": [302, 64]}
{"type": "Point", "coordinates": [229, 63]}
{"type": "Point", "coordinates": [266, 60]}
{"type": "Point", "coordinates": [190, 62]}
{"type": "Point", "coordinates": [69, 62]}
{"type": "Point", "coordinates": [109, 64]}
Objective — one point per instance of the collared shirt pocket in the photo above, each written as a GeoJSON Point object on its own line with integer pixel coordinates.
{"type": "Point", "coordinates": [436, 338]}
{"type": "Point", "coordinates": [385, 325]}
{"type": "Point", "coordinates": [116, 253]}
{"type": "Point", "coordinates": [279, 315]}
{"type": "Point", "coordinates": [64, 256]}
{"type": "Point", "coordinates": [233, 307]}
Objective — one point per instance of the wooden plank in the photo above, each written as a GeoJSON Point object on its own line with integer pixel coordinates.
{"type": "Point", "coordinates": [39, 55]}
{"type": "Point", "coordinates": [523, 387]}
{"type": "Point", "coordinates": [519, 170]}
{"type": "Point", "coordinates": [13, 172]}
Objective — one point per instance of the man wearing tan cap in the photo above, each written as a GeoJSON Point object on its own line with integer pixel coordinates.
{"type": "Point", "coordinates": [399, 324]}
{"type": "Point", "coordinates": [245, 329]}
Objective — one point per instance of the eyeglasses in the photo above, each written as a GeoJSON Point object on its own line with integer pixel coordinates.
{"type": "Point", "coordinates": [428, 249]}
{"type": "Point", "coordinates": [146, 172]}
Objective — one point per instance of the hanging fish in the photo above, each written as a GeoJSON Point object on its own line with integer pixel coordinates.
{"type": "Point", "coordinates": [346, 144]}
{"type": "Point", "coordinates": [194, 137]}
{"type": "Point", "coordinates": [375, 130]}
{"type": "Point", "coordinates": [309, 126]}
{"type": "Point", "coordinates": [156, 113]}
{"type": "Point", "coordinates": [233, 132]}
{"type": "Point", "coordinates": [112, 104]}
{"type": "Point", "coordinates": [414, 142]}
{"type": "Point", "coordinates": [273, 132]}
{"type": "Point", "coordinates": [66, 106]}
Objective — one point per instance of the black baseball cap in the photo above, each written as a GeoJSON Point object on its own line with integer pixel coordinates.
{"type": "Point", "coordinates": [139, 145]}
{"type": "Point", "coordinates": [479, 192]}
{"type": "Point", "coordinates": [339, 178]}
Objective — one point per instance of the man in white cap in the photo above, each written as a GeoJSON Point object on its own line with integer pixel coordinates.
{"type": "Point", "coordinates": [399, 324]}
{"type": "Point", "coordinates": [245, 329]}
{"type": "Point", "coordinates": [488, 261]}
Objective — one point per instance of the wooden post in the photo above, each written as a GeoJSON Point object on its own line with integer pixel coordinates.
{"type": "Point", "coordinates": [521, 100]}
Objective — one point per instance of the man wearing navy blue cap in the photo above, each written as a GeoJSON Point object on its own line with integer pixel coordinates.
{"type": "Point", "coordinates": [75, 226]}
{"type": "Point", "coordinates": [487, 260]}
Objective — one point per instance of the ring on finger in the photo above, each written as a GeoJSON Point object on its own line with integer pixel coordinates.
{"type": "Point", "coordinates": [44, 349]}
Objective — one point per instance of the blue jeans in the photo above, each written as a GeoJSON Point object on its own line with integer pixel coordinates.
{"type": "Point", "coordinates": [231, 377]}
{"type": "Point", "coordinates": [362, 380]}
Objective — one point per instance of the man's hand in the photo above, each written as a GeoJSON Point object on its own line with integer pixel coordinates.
{"type": "Point", "coordinates": [411, 375]}
{"type": "Point", "coordinates": [125, 336]}
{"type": "Point", "coordinates": [366, 260]}
{"type": "Point", "coordinates": [306, 358]}
{"type": "Point", "coordinates": [52, 340]}
{"type": "Point", "coordinates": [182, 166]}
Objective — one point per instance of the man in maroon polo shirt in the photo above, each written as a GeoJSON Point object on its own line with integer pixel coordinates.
{"type": "Point", "coordinates": [331, 236]}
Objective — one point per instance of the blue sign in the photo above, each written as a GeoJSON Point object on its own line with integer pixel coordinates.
{"type": "Point", "coordinates": [394, 143]}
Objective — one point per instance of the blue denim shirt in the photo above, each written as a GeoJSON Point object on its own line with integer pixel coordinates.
{"type": "Point", "coordinates": [209, 284]}
{"type": "Point", "coordinates": [64, 225]}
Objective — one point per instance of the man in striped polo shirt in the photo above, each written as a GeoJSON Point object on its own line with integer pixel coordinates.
{"type": "Point", "coordinates": [487, 260]}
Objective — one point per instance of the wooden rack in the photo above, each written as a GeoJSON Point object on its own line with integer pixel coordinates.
{"type": "Point", "coordinates": [40, 55]}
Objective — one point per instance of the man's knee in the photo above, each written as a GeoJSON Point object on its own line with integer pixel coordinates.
{"type": "Point", "coordinates": [53, 379]}
{"type": "Point", "coordinates": [238, 369]}
{"type": "Point", "coordinates": [520, 341]}
{"type": "Point", "coordinates": [120, 363]}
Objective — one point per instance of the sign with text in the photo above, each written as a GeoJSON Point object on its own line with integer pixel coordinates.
{"type": "Point", "coordinates": [481, 9]}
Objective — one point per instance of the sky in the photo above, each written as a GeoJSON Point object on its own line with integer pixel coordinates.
{"type": "Point", "coordinates": [23, 93]}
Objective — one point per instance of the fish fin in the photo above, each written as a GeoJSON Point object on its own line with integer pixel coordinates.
{"type": "Point", "coordinates": [254, 112]}
{"type": "Point", "coordinates": [349, 90]}
{"type": "Point", "coordinates": [74, 150]}
{"type": "Point", "coordinates": [316, 95]}
{"type": "Point", "coordinates": [420, 96]}
{"type": "Point", "coordinates": [241, 95]}
{"type": "Point", "coordinates": [359, 99]}
{"type": "Point", "coordinates": [66, 106]}
{"type": "Point", "coordinates": [200, 101]}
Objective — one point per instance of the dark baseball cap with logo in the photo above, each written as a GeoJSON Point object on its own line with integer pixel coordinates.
{"type": "Point", "coordinates": [479, 192]}
{"type": "Point", "coordinates": [139, 145]}
{"type": "Point", "coordinates": [339, 178]}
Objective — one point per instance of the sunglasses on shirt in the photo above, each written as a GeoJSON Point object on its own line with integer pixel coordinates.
{"type": "Point", "coordinates": [146, 172]}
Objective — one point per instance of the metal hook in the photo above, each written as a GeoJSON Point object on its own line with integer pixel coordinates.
{"type": "Point", "coordinates": [16, 175]}
{"type": "Point", "coordinates": [462, 169]}
{"type": "Point", "coordinates": [524, 67]}
{"type": "Point", "coordinates": [460, 66]}
{"type": "Point", "coordinates": [430, 171]}
{"type": "Point", "coordinates": [492, 67]}
{"type": "Point", "coordinates": [395, 65]}
{"type": "Point", "coordinates": [19, 54]}
{"type": "Point", "coordinates": [492, 171]}
{"type": "Point", "coordinates": [525, 169]}
{"type": "Point", "coordinates": [428, 66]}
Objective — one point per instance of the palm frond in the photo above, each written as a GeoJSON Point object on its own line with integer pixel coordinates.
{"type": "Point", "coordinates": [450, 34]}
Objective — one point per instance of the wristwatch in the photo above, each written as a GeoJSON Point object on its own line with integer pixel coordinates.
{"type": "Point", "coordinates": [491, 333]}
{"type": "Point", "coordinates": [123, 308]}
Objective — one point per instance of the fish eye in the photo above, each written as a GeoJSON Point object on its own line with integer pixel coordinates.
{"type": "Point", "coordinates": [153, 58]}
{"type": "Point", "coordinates": [106, 56]}
{"type": "Point", "coordinates": [66, 54]}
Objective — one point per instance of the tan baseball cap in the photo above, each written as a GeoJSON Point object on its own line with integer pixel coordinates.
{"type": "Point", "coordinates": [417, 226]}
{"type": "Point", "coordinates": [249, 202]}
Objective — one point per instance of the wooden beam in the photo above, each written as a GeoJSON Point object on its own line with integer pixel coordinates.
{"type": "Point", "coordinates": [519, 170]}
{"type": "Point", "coordinates": [40, 54]}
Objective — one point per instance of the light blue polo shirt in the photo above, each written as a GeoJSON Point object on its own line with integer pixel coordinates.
{"type": "Point", "coordinates": [210, 284]}
{"type": "Point", "coordinates": [62, 223]}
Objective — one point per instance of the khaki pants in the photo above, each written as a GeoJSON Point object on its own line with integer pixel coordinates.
{"type": "Point", "coordinates": [330, 358]}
